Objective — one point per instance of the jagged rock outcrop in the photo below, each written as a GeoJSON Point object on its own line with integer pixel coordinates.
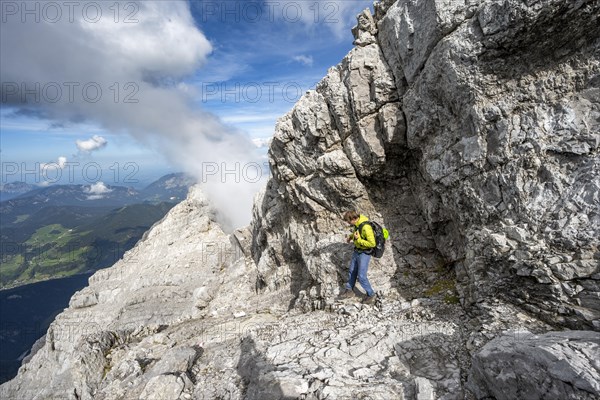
{"type": "Point", "coordinates": [471, 131]}
{"type": "Point", "coordinates": [556, 365]}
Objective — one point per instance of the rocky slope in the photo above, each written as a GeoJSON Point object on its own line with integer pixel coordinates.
{"type": "Point", "coordinates": [471, 130]}
{"type": "Point", "coordinates": [179, 318]}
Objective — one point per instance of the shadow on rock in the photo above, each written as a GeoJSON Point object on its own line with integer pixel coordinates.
{"type": "Point", "coordinates": [338, 255]}
{"type": "Point", "coordinates": [326, 261]}
{"type": "Point", "coordinates": [433, 361]}
{"type": "Point", "coordinates": [261, 380]}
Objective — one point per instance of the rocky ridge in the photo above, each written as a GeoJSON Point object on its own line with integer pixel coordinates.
{"type": "Point", "coordinates": [469, 129]}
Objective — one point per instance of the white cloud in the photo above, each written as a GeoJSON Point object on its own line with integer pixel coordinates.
{"type": "Point", "coordinates": [95, 197]}
{"type": "Point", "coordinates": [97, 188]}
{"type": "Point", "coordinates": [243, 118]}
{"type": "Point", "coordinates": [92, 144]}
{"type": "Point", "coordinates": [97, 191]}
{"type": "Point", "coordinates": [306, 60]}
{"type": "Point", "coordinates": [124, 77]}
{"type": "Point", "coordinates": [62, 161]}
{"type": "Point", "coordinates": [262, 142]}
{"type": "Point", "coordinates": [52, 166]}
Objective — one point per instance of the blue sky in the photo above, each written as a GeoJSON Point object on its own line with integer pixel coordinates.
{"type": "Point", "coordinates": [270, 57]}
{"type": "Point", "coordinates": [167, 85]}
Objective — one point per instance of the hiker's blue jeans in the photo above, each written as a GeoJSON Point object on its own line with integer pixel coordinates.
{"type": "Point", "coordinates": [359, 265]}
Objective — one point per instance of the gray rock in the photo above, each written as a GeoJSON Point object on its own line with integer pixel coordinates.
{"type": "Point", "coordinates": [555, 365]}
{"type": "Point", "coordinates": [163, 387]}
{"type": "Point", "coordinates": [456, 132]}
{"type": "Point", "coordinates": [175, 361]}
{"type": "Point", "coordinates": [84, 298]}
{"type": "Point", "coordinates": [366, 30]}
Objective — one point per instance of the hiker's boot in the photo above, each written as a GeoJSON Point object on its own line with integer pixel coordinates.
{"type": "Point", "coordinates": [348, 294]}
{"type": "Point", "coordinates": [369, 299]}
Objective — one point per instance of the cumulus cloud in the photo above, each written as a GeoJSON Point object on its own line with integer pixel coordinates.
{"type": "Point", "coordinates": [262, 142]}
{"type": "Point", "coordinates": [125, 77]}
{"type": "Point", "coordinates": [92, 144]}
{"type": "Point", "coordinates": [96, 191]}
{"type": "Point", "coordinates": [58, 164]}
{"type": "Point", "coordinates": [306, 60]}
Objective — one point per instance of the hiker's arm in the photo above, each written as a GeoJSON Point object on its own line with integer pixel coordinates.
{"type": "Point", "coordinates": [369, 240]}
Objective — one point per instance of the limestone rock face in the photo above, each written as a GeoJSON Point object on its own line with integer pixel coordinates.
{"type": "Point", "coordinates": [471, 130]}
{"type": "Point", "coordinates": [555, 365]}
{"type": "Point", "coordinates": [514, 158]}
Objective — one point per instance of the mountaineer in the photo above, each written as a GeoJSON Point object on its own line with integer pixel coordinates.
{"type": "Point", "coordinates": [364, 243]}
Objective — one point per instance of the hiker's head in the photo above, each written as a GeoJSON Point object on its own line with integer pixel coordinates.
{"type": "Point", "coordinates": [351, 217]}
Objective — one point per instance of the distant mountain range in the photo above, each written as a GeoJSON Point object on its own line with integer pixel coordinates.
{"type": "Point", "coordinates": [63, 230]}
{"type": "Point", "coordinates": [172, 187]}
{"type": "Point", "coordinates": [14, 189]}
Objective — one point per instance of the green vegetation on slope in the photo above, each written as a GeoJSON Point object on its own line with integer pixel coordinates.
{"type": "Point", "coordinates": [87, 242]}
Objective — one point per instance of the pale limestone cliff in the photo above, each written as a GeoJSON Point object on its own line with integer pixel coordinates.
{"type": "Point", "coordinates": [472, 131]}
